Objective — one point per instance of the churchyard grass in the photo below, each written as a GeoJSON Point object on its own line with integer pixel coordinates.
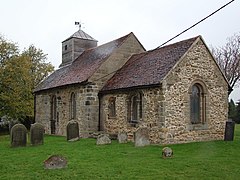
{"type": "Point", "coordinates": [203, 160]}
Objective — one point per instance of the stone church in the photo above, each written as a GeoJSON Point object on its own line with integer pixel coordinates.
{"type": "Point", "coordinates": [177, 92]}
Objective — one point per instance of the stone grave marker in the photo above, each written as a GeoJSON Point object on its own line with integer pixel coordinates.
{"type": "Point", "coordinates": [122, 137]}
{"type": "Point", "coordinates": [167, 152]}
{"type": "Point", "coordinates": [103, 139]}
{"type": "Point", "coordinates": [72, 131]}
{"type": "Point", "coordinates": [229, 130]}
{"type": "Point", "coordinates": [55, 162]}
{"type": "Point", "coordinates": [36, 134]}
{"type": "Point", "coordinates": [141, 137]}
{"type": "Point", "coordinates": [18, 135]}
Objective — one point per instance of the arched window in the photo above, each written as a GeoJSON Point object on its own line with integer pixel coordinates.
{"type": "Point", "coordinates": [197, 104]}
{"type": "Point", "coordinates": [73, 106]}
{"type": "Point", "coordinates": [112, 107]}
{"type": "Point", "coordinates": [135, 108]}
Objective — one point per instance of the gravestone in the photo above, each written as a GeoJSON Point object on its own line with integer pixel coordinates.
{"type": "Point", "coordinates": [18, 135]}
{"type": "Point", "coordinates": [141, 137]}
{"type": "Point", "coordinates": [167, 152]}
{"type": "Point", "coordinates": [122, 137]}
{"type": "Point", "coordinates": [72, 131]}
{"type": "Point", "coordinates": [55, 162]}
{"type": "Point", "coordinates": [103, 139]}
{"type": "Point", "coordinates": [36, 134]}
{"type": "Point", "coordinates": [229, 130]}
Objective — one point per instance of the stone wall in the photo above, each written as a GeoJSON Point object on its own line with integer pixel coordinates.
{"type": "Point", "coordinates": [86, 108]}
{"type": "Point", "coordinates": [116, 60]}
{"type": "Point", "coordinates": [166, 109]}
{"type": "Point", "coordinates": [197, 66]}
{"type": "Point", "coordinates": [152, 113]}
{"type": "Point", "coordinates": [87, 102]}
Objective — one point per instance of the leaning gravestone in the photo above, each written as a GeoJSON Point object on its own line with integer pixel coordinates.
{"type": "Point", "coordinates": [141, 137]}
{"type": "Point", "coordinates": [18, 135]}
{"type": "Point", "coordinates": [122, 137]}
{"type": "Point", "coordinates": [72, 131]}
{"type": "Point", "coordinates": [167, 152]}
{"type": "Point", "coordinates": [103, 139]}
{"type": "Point", "coordinates": [36, 134]}
{"type": "Point", "coordinates": [55, 162]}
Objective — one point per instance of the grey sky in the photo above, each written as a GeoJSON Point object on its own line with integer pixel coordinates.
{"type": "Point", "coordinates": [46, 23]}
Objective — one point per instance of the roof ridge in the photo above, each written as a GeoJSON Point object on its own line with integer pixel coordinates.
{"type": "Point", "coordinates": [123, 37]}
{"type": "Point", "coordinates": [178, 42]}
{"type": "Point", "coordinates": [149, 67]}
{"type": "Point", "coordinates": [105, 44]}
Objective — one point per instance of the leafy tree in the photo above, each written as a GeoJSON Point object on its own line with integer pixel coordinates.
{"type": "Point", "coordinates": [20, 73]}
{"type": "Point", "coordinates": [16, 98]}
{"type": "Point", "coordinates": [39, 67]}
{"type": "Point", "coordinates": [228, 58]}
{"type": "Point", "coordinates": [7, 50]}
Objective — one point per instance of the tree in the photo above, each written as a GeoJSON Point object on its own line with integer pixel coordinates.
{"type": "Point", "coordinates": [40, 69]}
{"type": "Point", "coordinates": [228, 58]}
{"type": "Point", "coordinates": [7, 50]}
{"type": "Point", "coordinates": [16, 99]}
{"type": "Point", "coordinates": [20, 73]}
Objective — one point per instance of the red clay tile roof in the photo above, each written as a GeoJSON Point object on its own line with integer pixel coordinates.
{"type": "Point", "coordinates": [148, 68]}
{"type": "Point", "coordinates": [83, 67]}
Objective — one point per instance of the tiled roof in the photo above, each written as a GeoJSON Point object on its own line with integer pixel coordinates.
{"type": "Point", "coordinates": [149, 68]}
{"type": "Point", "coordinates": [83, 67]}
{"type": "Point", "coordinates": [81, 35]}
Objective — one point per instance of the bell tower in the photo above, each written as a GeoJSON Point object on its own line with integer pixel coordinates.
{"type": "Point", "coordinates": [74, 46]}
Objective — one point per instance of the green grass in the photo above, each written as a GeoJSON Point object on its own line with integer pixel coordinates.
{"type": "Point", "coordinates": [204, 160]}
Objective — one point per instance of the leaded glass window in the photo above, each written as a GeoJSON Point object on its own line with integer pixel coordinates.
{"type": "Point", "coordinates": [135, 108]}
{"type": "Point", "coordinates": [195, 104]}
{"type": "Point", "coordinates": [73, 106]}
{"type": "Point", "coordinates": [112, 107]}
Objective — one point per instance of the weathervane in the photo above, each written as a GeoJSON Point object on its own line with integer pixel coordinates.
{"type": "Point", "coordinates": [79, 24]}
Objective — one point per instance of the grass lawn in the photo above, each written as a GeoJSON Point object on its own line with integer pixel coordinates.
{"type": "Point", "coordinates": [204, 160]}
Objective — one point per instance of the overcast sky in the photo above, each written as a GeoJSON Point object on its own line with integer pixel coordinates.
{"type": "Point", "coordinates": [46, 23]}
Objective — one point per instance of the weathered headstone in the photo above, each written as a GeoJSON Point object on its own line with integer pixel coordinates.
{"type": "Point", "coordinates": [18, 135]}
{"type": "Point", "coordinates": [229, 130]}
{"type": "Point", "coordinates": [55, 162]}
{"type": "Point", "coordinates": [122, 137]}
{"type": "Point", "coordinates": [141, 137]}
{"type": "Point", "coordinates": [167, 152]}
{"type": "Point", "coordinates": [103, 139]}
{"type": "Point", "coordinates": [72, 131]}
{"type": "Point", "coordinates": [36, 134]}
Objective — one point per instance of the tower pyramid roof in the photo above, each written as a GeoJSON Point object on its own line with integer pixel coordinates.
{"type": "Point", "coordinates": [81, 35]}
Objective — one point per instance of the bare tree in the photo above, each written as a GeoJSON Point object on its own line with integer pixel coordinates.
{"type": "Point", "coordinates": [228, 58]}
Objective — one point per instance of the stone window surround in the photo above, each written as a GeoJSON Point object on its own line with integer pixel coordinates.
{"type": "Point", "coordinates": [54, 114]}
{"type": "Point", "coordinates": [72, 106]}
{"type": "Point", "coordinates": [203, 125]}
{"type": "Point", "coordinates": [137, 99]}
{"type": "Point", "coordinates": [53, 107]}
